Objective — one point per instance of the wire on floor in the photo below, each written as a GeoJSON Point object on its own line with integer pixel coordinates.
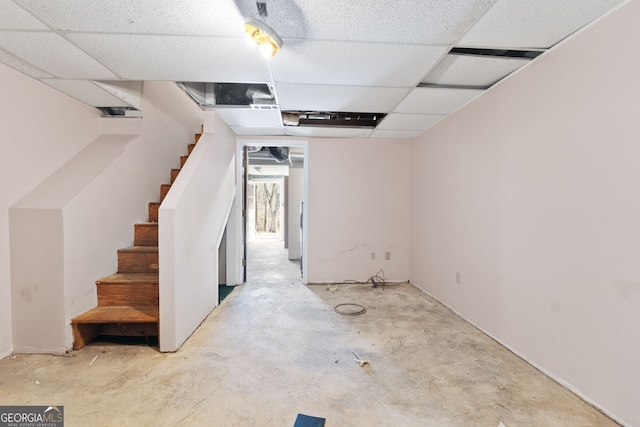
{"type": "Point", "coordinates": [350, 309]}
{"type": "Point", "coordinates": [378, 280]}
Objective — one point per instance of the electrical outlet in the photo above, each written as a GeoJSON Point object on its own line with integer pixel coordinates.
{"type": "Point", "coordinates": [457, 278]}
{"type": "Point", "coordinates": [373, 256]}
{"type": "Point", "coordinates": [387, 256]}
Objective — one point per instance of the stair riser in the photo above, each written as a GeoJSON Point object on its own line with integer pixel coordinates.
{"type": "Point", "coordinates": [145, 235]}
{"type": "Point", "coordinates": [131, 294]}
{"type": "Point", "coordinates": [84, 333]}
{"type": "Point", "coordinates": [130, 329]}
{"type": "Point", "coordinates": [164, 189]}
{"type": "Point", "coordinates": [174, 174]}
{"type": "Point", "coordinates": [183, 160]}
{"type": "Point", "coordinates": [190, 148]}
{"type": "Point", "coordinates": [137, 262]}
{"type": "Point", "coordinates": [153, 212]}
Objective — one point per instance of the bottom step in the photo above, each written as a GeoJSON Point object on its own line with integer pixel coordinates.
{"type": "Point", "coordinates": [131, 321]}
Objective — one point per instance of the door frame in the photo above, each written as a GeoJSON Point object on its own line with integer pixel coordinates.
{"type": "Point", "coordinates": [237, 211]}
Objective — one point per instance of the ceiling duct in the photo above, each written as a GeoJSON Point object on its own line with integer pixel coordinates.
{"type": "Point", "coordinates": [242, 94]}
{"type": "Point", "coordinates": [264, 156]}
{"type": "Point", "coordinates": [254, 95]}
{"type": "Point", "coordinates": [279, 154]}
{"type": "Point", "coordinates": [331, 119]}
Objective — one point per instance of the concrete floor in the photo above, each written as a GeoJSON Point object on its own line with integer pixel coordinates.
{"type": "Point", "coordinates": [275, 348]}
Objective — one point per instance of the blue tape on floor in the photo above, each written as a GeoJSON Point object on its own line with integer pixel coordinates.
{"type": "Point", "coordinates": [308, 421]}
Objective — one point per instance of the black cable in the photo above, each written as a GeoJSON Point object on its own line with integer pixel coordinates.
{"type": "Point", "coordinates": [377, 280]}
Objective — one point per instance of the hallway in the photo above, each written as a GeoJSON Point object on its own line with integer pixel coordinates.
{"type": "Point", "coordinates": [275, 348]}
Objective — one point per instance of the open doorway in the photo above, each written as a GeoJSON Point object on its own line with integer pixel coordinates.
{"type": "Point", "coordinates": [273, 191]}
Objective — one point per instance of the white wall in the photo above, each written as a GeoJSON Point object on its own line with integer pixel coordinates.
{"type": "Point", "coordinates": [40, 129]}
{"type": "Point", "coordinates": [359, 202]}
{"type": "Point", "coordinates": [67, 226]}
{"type": "Point", "coordinates": [192, 221]}
{"type": "Point", "coordinates": [99, 218]}
{"type": "Point", "coordinates": [170, 122]}
{"type": "Point", "coordinates": [531, 193]}
{"type": "Point", "coordinates": [37, 280]}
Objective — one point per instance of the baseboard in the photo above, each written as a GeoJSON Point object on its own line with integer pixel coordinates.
{"type": "Point", "coordinates": [6, 353]}
{"type": "Point", "coordinates": [334, 282]}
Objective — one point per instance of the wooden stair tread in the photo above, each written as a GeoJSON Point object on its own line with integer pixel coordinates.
{"type": "Point", "coordinates": [119, 314]}
{"type": "Point", "coordinates": [147, 224]}
{"type": "Point", "coordinates": [126, 278]}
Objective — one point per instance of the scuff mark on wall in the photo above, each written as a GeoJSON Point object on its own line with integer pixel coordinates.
{"type": "Point", "coordinates": [339, 254]}
{"type": "Point", "coordinates": [627, 289]}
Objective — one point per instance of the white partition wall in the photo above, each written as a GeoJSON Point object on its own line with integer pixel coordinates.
{"type": "Point", "coordinates": [294, 200]}
{"type": "Point", "coordinates": [192, 219]}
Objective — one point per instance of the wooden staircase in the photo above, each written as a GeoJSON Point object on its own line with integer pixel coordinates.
{"type": "Point", "coordinates": [128, 301]}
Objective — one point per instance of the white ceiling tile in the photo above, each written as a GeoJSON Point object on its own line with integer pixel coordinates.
{"type": "Point", "coordinates": [394, 121]}
{"type": "Point", "coordinates": [326, 132]}
{"type": "Point", "coordinates": [177, 58]}
{"type": "Point", "coordinates": [395, 134]}
{"type": "Point", "coordinates": [466, 70]}
{"type": "Point", "coordinates": [359, 99]}
{"type": "Point", "coordinates": [337, 56]}
{"type": "Point", "coordinates": [248, 117]}
{"type": "Point", "coordinates": [257, 131]}
{"type": "Point", "coordinates": [87, 92]}
{"type": "Point", "coordinates": [430, 100]}
{"type": "Point", "coordinates": [186, 17]}
{"type": "Point", "coordinates": [533, 24]}
{"type": "Point", "coordinates": [349, 63]}
{"type": "Point", "coordinates": [13, 17]}
{"type": "Point", "coordinates": [407, 21]}
{"type": "Point", "coordinates": [24, 67]}
{"type": "Point", "coordinates": [53, 54]}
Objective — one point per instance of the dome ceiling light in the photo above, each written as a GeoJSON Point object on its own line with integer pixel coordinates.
{"type": "Point", "coordinates": [269, 41]}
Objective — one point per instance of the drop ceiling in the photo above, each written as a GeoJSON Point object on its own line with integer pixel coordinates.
{"type": "Point", "coordinates": [387, 57]}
